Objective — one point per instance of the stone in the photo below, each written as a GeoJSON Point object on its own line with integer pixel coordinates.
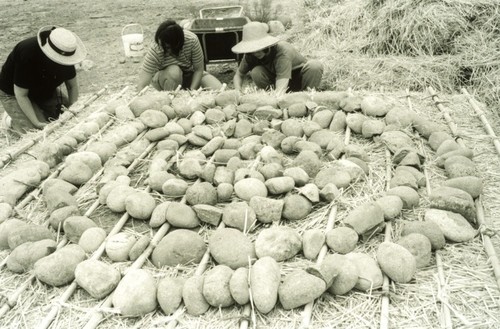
{"type": "Point", "coordinates": [459, 166]}
{"type": "Point", "coordinates": [264, 283]}
{"type": "Point", "coordinates": [391, 205]}
{"type": "Point", "coordinates": [374, 106]}
{"type": "Point", "coordinates": [309, 161]}
{"type": "Point", "coordinates": [238, 286]}
{"type": "Point", "coordinates": [424, 126]}
{"type": "Point", "coordinates": [396, 140]}
{"type": "Point", "coordinates": [279, 242]}
{"type": "Point", "coordinates": [322, 137]}
{"type": "Point", "coordinates": [58, 268]}
{"type": "Point", "coordinates": [58, 216]}
{"type": "Point", "coordinates": [201, 193]}
{"type": "Point", "coordinates": [419, 176]}
{"type": "Point", "coordinates": [372, 128]}
{"type": "Point", "coordinates": [408, 195]}
{"type": "Point", "coordinates": [247, 188]}
{"type": "Point", "coordinates": [273, 138]}
{"type": "Point", "coordinates": [310, 127]}
{"type": "Point", "coordinates": [239, 215]}
{"type": "Point", "coordinates": [116, 197]}
{"type": "Point", "coordinates": [181, 215]}
{"type": "Point", "coordinates": [208, 214]}
{"type": "Point", "coordinates": [230, 247]}
{"type": "Point", "coordinates": [5, 231]}
{"type": "Point", "coordinates": [159, 215]}
{"type": "Point", "coordinates": [6, 211]}
{"type": "Point", "coordinates": [192, 296]}
{"type": "Point", "coordinates": [190, 168]}
{"type": "Point", "coordinates": [174, 188]}
{"type": "Point", "coordinates": [24, 256]}
{"type": "Point", "coordinates": [365, 217]}
{"type": "Point", "coordinates": [140, 205]}
{"type": "Point", "coordinates": [397, 262]}
{"type": "Point", "coordinates": [323, 118]}
{"type": "Point", "coordinates": [448, 145]}
{"type": "Point", "coordinates": [429, 229]}
{"type": "Point", "coordinates": [342, 240]}
{"type": "Point", "coordinates": [296, 207]}
{"type": "Point", "coordinates": [19, 234]}
{"type": "Point", "coordinates": [312, 242]}
{"type": "Point", "coordinates": [267, 210]}
{"type": "Point", "coordinates": [179, 247]}
{"type": "Point", "coordinates": [216, 286]}
{"type": "Point", "coordinates": [280, 185]}
{"type": "Point", "coordinates": [299, 288]}
{"type": "Point", "coordinates": [454, 226]}
{"type": "Point", "coordinates": [310, 191]}
{"type": "Point", "coordinates": [56, 198]}
{"type": "Point", "coordinates": [355, 122]}
{"type": "Point", "coordinates": [470, 184]}
{"type": "Point", "coordinates": [118, 246]}
{"type": "Point", "coordinates": [224, 192]}
{"type": "Point", "coordinates": [290, 99]}
{"type": "Point", "coordinates": [338, 123]}
{"type": "Point", "coordinates": [404, 178]}
{"type": "Point", "coordinates": [343, 273]}
{"type": "Point", "coordinates": [351, 103]}
{"type": "Point", "coordinates": [292, 127]}
{"type": "Point", "coordinates": [370, 275]}
{"type": "Point", "coordinates": [139, 247]}
{"type": "Point", "coordinates": [401, 118]}
{"type": "Point", "coordinates": [135, 295]}
{"type": "Point", "coordinates": [91, 239]}
{"type": "Point", "coordinates": [419, 246]}
{"type": "Point", "coordinates": [454, 200]}
{"type": "Point", "coordinates": [74, 227]}
{"type": "Point", "coordinates": [298, 174]}
{"type": "Point", "coordinates": [437, 138]}
{"type": "Point", "coordinates": [271, 170]}
{"type": "Point", "coordinates": [297, 110]}
{"type": "Point", "coordinates": [97, 278]}
{"type": "Point", "coordinates": [334, 175]}
{"type": "Point", "coordinates": [329, 193]}
{"type": "Point", "coordinates": [169, 294]}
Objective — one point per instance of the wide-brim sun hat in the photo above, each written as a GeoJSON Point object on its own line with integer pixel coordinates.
{"type": "Point", "coordinates": [62, 46]}
{"type": "Point", "coordinates": [254, 38]}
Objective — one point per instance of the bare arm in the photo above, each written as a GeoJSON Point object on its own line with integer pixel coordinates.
{"type": "Point", "coordinates": [73, 91]}
{"type": "Point", "coordinates": [196, 80]}
{"type": "Point", "coordinates": [238, 80]}
{"type": "Point", "coordinates": [144, 80]}
{"type": "Point", "coordinates": [27, 107]}
{"type": "Point", "coordinates": [281, 86]}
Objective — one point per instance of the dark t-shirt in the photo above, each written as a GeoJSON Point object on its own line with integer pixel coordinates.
{"type": "Point", "coordinates": [281, 60]}
{"type": "Point", "coordinates": [28, 67]}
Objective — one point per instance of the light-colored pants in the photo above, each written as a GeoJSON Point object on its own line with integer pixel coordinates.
{"type": "Point", "coordinates": [44, 110]}
{"type": "Point", "coordinates": [172, 76]}
{"type": "Point", "coordinates": [308, 76]}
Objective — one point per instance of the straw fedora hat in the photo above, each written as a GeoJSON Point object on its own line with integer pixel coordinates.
{"type": "Point", "coordinates": [254, 38]}
{"type": "Point", "coordinates": [61, 46]}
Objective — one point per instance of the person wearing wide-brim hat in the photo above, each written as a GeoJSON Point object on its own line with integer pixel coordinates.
{"type": "Point", "coordinates": [32, 75]}
{"type": "Point", "coordinates": [273, 63]}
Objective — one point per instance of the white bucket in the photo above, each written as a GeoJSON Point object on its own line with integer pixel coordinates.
{"type": "Point", "coordinates": [133, 40]}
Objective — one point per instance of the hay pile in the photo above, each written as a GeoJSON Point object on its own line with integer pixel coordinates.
{"type": "Point", "coordinates": [399, 44]}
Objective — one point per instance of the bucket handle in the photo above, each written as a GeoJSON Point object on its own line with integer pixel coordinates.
{"type": "Point", "coordinates": [132, 25]}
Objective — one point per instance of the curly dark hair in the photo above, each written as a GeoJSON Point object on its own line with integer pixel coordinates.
{"type": "Point", "coordinates": [170, 35]}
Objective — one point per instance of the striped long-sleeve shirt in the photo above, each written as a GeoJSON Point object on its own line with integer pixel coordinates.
{"type": "Point", "coordinates": [190, 57]}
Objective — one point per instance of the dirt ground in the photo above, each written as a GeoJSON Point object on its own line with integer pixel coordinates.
{"type": "Point", "coordinates": [99, 24]}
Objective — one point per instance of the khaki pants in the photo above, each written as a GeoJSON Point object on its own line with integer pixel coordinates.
{"type": "Point", "coordinates": [45, 110]}
{"type": "Point", "coordinates": [308, 76]}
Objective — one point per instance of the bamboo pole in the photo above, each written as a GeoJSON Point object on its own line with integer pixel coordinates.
{"type": "Point", "coordinates": [384, 309]}
{"type": "Point", "coordinates": [445, 319]}
{"type": "Point", "coordinates": [483, 119]}
{"type": "Point", "coordinates": [49, 129]}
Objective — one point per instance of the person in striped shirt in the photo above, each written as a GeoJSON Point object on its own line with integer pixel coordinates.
{"type": "Point", "coordinates": [176, 58]}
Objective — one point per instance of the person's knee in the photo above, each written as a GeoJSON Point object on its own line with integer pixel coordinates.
{"type": "Point", "coordinates": [170, 77]}
{"type": "Point", "coordinates": [260, 77]}
{"type": "Point", "coordinates": [315, 66]}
